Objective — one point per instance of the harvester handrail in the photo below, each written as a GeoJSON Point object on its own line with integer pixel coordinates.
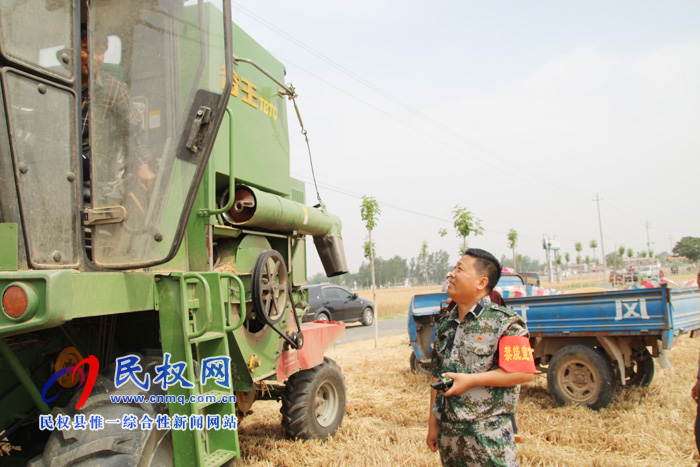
{"type": "Point", "coordinates": [231, 179]}
{"type": "Point", "coordinates": [289, 90]}
{"type": "Point", "coordinates": [185, 308]}
{"type": "Point", "coordinates": [241, 295]}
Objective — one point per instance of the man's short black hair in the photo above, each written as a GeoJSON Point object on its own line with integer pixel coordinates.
{"type": "Point", "coordinates": [99, 39]}
{"type": "Point", "coordinates": [486, 264]}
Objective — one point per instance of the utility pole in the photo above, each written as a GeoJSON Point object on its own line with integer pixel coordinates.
{"type": "Point", "coordinates": [670, 245]}
{"type": "Point", "coordinates": [648, 247]}
{"type": "Point", "coordinates": [602, 245]}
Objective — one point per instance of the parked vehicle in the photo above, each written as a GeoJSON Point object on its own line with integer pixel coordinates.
{"type": "Point", "coordinates": [649, 272]}
{"type": "Point", "coordinates": [530, 278]}
{"type": "Point", "coordinates": [621, 278]}
{"type": "Point", "coordinates": [588, 344]}
{"type": "Point", "coordinates": [334, 303]}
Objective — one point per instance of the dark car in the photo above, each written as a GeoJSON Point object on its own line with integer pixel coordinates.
{"type": "Point", "coordinates": [334, 303]}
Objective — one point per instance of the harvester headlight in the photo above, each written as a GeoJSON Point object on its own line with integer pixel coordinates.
{"type": "Point", "coordinates": [19, 301]}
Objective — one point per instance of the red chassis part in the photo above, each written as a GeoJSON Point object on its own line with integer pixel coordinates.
{"type": "Point", "coordinates": [318, 335]}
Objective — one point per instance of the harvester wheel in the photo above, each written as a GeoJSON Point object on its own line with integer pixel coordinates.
{"type": "Point", "coordinates": [112, 446]}
{"type": "Point", "coordinates": [313, 403]}
{"type": "Point", "coordinates": [580, 374]}
{"type": "Point", "coordinates": [269, 287]}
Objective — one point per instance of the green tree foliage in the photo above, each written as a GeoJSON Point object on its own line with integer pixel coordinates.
{"type": "Point", "coordinates": [392, 272]}
{"type": "Point", "coordinates": [466, 224]}
{"type": "Point", "coordinates": [688, 247]}
{"type": "Point", "coordinates": [630, 253]}
{"type": "Point", "coordinates": [593, 244]}
{"type": "Point", "coordinates": [370, 211]}
{"type": "Point", "coordinates": [512, 243]}
{"type": "Point", "coordinates": [424, 255]}
{"type": "Point", "coordinates": [368, 251]}
{"type": "Point", "coordinates": [525, 263]}
{"type": "Point", "coordinates": [438, 265]}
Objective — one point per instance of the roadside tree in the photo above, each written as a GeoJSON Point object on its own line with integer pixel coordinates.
{"type": "Point", "coordinates": [466, 224]}
{"type": "Point", "coordinates": [370, 211]}
{"type": "Point", "coordinates": [688, 247]}
{"type": "Point", "coordinates": [512, 243]}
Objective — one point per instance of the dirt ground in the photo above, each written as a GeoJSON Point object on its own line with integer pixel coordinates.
{"type": "Point", "coordinates": [387, 411]}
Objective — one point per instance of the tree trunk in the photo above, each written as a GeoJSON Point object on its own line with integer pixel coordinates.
{"type": "Point", "coordinates": [374, 290]}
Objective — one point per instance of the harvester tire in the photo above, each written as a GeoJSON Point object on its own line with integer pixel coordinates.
{"type": "Point", "coordinates": [580, 374]}
{"type": "Point", "coordinates": [112, 446]}
{"type": "Point", "coordinates": [313, 403]}
{"type": "Point", "coordinates": [642, 373]}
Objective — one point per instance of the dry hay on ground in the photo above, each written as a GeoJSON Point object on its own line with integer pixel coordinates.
{"type": "Point", "coordinates": [396, 300]}
{"type": "Point", "coordinates": [387, 410]}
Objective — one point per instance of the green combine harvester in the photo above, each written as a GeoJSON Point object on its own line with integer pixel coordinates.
{"type": "Point", "coordinates": [152, 241]}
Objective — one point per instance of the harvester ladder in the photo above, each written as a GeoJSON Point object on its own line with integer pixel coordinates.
{"type": "Point", "coordinates": [206, 320]}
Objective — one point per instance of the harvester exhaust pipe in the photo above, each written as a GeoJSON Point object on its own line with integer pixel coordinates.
{"type": "Point", "coordinates": [259, 209]}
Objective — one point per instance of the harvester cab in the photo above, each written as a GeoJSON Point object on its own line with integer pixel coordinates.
{"type": "Point", "coordinates": [151, 237]}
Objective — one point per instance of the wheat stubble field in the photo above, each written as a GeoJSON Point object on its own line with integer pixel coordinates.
{"type": "Point", "coordinates": [387, 410]}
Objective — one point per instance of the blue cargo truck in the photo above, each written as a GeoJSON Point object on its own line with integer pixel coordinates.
{"type": "Point", "coordinates": [587, 343]}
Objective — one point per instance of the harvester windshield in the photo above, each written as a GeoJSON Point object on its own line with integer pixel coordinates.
{"type": "Point", "coordinates": [156, 99]}
{"type": "Point", "coordinates": [111, 108]}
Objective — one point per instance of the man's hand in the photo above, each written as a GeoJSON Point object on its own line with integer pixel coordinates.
{"type": "Point", "coordinates": [462, 382]}
{"type": "Point", "coordinates": [695, 392]}
{"type": "Point", "coordinates": [146, 177]}
{"type": "Point", "coordinates": [431, 440]}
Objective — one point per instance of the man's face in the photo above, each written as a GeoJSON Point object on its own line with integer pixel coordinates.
{"type": "Point", "coordinates": [465, 283]}
{"type": "Point", "coordinates": [98, 56]}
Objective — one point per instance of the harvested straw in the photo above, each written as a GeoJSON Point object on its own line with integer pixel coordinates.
{"type": "Point", "coordinates": [387, 411]}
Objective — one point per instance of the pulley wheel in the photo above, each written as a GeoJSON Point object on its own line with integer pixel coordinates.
{"type": "Point", "coordinates": [269, 287]}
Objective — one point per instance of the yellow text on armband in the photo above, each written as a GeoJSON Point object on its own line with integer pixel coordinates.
{"type": "Point", "coordinates": [517, 352]}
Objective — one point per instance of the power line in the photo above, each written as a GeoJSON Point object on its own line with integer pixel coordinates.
{"type": "Point", "coordinates": [521, 170]}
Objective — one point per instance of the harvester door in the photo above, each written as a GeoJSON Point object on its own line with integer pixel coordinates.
{"type": "Point", "coordinates": [156, 101]}
{"type": "Point", "coordinates": [38, 116]}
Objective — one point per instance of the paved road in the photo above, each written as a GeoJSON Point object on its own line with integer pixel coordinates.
{"type": "Point", "coordinates": [357, 332]}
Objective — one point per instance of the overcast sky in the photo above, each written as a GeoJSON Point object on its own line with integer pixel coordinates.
{"type": "Point", "coordinates": [519, 111]}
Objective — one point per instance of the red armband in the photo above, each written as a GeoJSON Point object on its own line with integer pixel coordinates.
{"type": "Point", "coordinates": [515, 355]}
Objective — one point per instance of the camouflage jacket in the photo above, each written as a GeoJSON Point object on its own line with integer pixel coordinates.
{"type": "Point", "coordinates": [471, 346]}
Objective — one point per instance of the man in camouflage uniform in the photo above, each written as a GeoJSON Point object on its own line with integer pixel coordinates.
{"type": "Point", "coordinates": [471, 422]}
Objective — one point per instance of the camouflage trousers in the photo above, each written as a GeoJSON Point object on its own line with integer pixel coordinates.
{"type": "Point", "coordinates": [483, 443]}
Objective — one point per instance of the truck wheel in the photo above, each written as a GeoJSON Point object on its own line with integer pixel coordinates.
{"type": "Point", "coordinates": [313, 403]}
{"type": "Point", "coordinates": [642, 373]}
{"type": "Point", "coordinates": [579, 374]}
{"type": "Point", "coordinates": [416, 367]}
{"type": "Point", "coordinates": [367, 316]}
{"type": "Point", "coordinates": [112, 446]}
